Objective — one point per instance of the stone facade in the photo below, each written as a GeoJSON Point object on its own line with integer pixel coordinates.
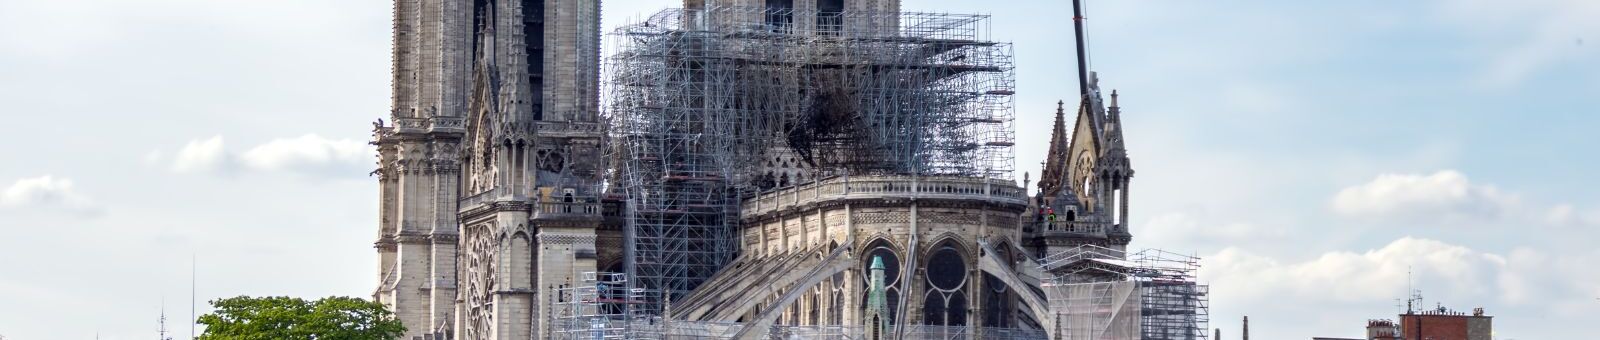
{"type": "Point", "coordinates": [950, 246]}
{"type": "Point", "coordinates": [489, 170]}
{"type": "Point", "coordinates": [491, 201]}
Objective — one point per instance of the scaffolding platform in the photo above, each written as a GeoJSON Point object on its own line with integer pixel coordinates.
{"type": "Point", "coordinates": [698, 99]}
{"type": "Point", "coordinates": [1103, 294]}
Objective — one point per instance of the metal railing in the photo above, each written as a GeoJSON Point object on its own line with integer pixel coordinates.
{"type": "Point", "coordinates": [1052, 261]}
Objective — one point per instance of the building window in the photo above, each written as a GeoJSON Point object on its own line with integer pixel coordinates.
{"type": "Point", "coordinates": [780, 15]}
{"type": "Point", "coordinates": [891, 277]}
{"type": "Point", "coordinates": [830, 17]}
{"type": "Point", "coordinates": [945, 302]}
{"type": "Point", "coordinates": [997, 297]}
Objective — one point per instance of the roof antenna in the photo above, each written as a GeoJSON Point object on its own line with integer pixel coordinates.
{"type": "Point", "coordinates": [192, 319]}
{"type": "Point", "coordinates": [163, 322]}
{"type": "Point", "coordinates": [1083, 66]}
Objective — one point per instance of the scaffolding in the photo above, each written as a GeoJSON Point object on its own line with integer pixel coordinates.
{"type": "Point", "coordinates": [604, 306]}
{"type": "Point", "coordinates": [1095, 310]}
{"type": "Point", "coordinates": [1106, 295]}
{"type": "Point", "coordinates": [701, 101]}
{"type": "Point", "coordinates": [911, 332]}
{"type": "Point", "coordinates": [1174, 305]}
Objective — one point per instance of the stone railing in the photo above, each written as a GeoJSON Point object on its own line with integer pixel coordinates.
{"type": "Point", "coordinates": [583, 207]}
{"type": "Point", "coordinates": [410, 125]}
{"type": "Point", "coordinates": [434, 124]}
{"type": "Point", "coordinates": [866, 187]}
{"type": "Point", "coordinates": [558, 210]}
{"type": "Point", "coordinates": [567, 129]}
{"type": "Point", "coordinates": [1070, 228]}
{"type": "Point", "coordinates": [447, 124]}
{"type": "Point", "coordinates": [497, 194]}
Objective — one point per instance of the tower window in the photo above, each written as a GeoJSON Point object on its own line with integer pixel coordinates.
{"type": "Point", "coordinates": [533, 46]}
{"type": "Point", "coordinates": [780, 15]}
{"type": "Point", "coordinates": [1116, 207]}
{"type": "Point", "coordinates": [830, 17]}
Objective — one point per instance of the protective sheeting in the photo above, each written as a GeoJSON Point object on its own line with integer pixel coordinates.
{"type": "Point", "coordinates": [1096, 311]}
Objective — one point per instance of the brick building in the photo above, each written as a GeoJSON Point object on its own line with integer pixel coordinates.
{"type": "Point", "coordinates": [1445, 324]}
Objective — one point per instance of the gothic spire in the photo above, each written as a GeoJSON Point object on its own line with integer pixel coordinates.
{"type": "Point", "coordinates": [1114, 120]}
{"type": "Point", "coordinates": [1055, 161]}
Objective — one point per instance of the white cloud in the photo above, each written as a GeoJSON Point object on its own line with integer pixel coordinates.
{"type": "Point", "coordinates": [48, 192]}
{"type": "Point", "coordinates": [305, 154]}
{"type": "Point", "coordinates": [1444, 272]}
{"type": "Point", "coordinates": [1373, 276]}
{"type": "Point", "coordinates": [201, 156]}
{"type": "Point", "coordinates": [1444, 194]}
{"type": "Point", "coordinates": [1565, 214]}
{"type": "Point", "coordinates": [153, 157]}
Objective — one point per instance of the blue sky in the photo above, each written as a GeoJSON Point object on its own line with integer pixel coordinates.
{"type": "Point", "coordinates": [1312, 152]}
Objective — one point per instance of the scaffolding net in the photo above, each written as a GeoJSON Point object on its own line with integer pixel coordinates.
{"type": "Point", "coordinates": [1095, 311]}
{"type": "Point", "coordinates": [704, 104]}
{"type": "Point", "coordinates": [1149, 295]}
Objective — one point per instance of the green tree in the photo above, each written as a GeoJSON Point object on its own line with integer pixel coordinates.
{"type": "Point", "coordinates": [331, 318]}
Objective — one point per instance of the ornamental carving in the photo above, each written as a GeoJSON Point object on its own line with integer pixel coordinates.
{"type": "Point", "coordinates": [1003, 220]}
{"type": "Point", "coordinates": [947, 217]}
{"type": "Point", "coordinates": [568, 239]}
{"type": "Point", "coordinates": [479, 261]}
{"type": "Point", "coordinates": [880, 217]}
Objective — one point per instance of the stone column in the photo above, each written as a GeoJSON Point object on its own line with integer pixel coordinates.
{"type": "Point", "coordinates": [1123, 209]}
{"type": "Point", "coordinates": [851, 311]}
{"type": "Point", "coordinates": [444, 232]}
{"type": "Point", "coordinates": [388, 224]}
{"type": "Point", "coordinates": [976, 298]}
{"type": "Point", "coordinates": [414, 273]}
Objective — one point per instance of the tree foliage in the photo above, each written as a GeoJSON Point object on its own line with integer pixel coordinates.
{"type": "Point", "coordinates": [331, 318]}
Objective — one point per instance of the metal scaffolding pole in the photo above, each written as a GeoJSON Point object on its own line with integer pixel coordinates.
{"type": "Point", "coordinates": [706, 106]}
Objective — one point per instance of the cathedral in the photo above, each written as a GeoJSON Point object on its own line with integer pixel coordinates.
{"type": "Point", "coordinates": [769, 168]}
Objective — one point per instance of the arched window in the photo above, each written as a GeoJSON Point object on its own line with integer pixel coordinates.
{"type": "Point", "coordinates": [997, 302]}
{"type": "Point", "coordinates": [997, 297]}
{"type": "Point", "coordinates": [836, 299]}
{"type": "Point", "coordinates": [945, 301]}
{"type": "Point", "coordinates": [522, 262]}
{"type": "Point", "coordinates": [891, 276]}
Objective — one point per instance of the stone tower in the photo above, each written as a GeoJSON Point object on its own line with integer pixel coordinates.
{"type": "Point", "coordinates": [489, 173]}
{"type": "Point", "coordinates": [1084, 188]}
{"type": "Point", "coordinates": [419, 166]}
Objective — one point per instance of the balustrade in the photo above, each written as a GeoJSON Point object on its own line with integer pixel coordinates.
{"type": "Point", "coordinates": [844, 187]}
